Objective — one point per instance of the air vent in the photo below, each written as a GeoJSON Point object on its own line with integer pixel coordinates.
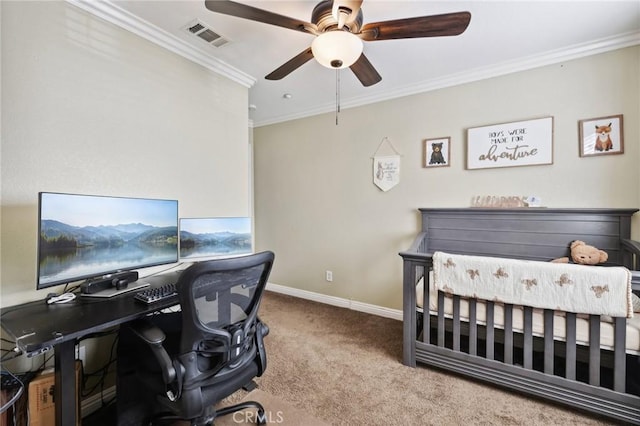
{"type": "Point", "coordinates": [205, 34]}
{"type": "Point", "coordinates": [196, 28]}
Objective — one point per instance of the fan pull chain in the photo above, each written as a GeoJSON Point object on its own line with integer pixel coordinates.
{"type": "Point", "coordinates": [337, 94]}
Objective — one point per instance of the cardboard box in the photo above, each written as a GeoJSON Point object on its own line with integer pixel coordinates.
{"type": "Point", "coordinates": [42, 407]}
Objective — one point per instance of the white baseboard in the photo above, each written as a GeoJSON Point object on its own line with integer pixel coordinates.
{"type": "Point", "coordinates": [94, 402]}
{"type": "Point", "coordinates": [337, 301]}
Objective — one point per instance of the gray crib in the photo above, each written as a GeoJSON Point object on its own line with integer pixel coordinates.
{"type": "Point", "coordinates": [590, 377]}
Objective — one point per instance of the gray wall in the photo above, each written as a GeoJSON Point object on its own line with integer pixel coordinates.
{"type": "Point", "coordinates": [88, 107]}
{"type": "Point", "coordinates": [318, 209]}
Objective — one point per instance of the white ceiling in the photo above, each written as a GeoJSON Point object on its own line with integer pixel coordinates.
{"type": "Point", "coordinates": [503, 37]}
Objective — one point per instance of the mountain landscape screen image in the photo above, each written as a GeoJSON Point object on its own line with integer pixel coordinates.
{"type": "Point", "coordinates": [214, 237]}
{"type": "Point", "coordinates": [85, 236]}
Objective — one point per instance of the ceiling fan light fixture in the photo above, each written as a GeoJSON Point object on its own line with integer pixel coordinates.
{"type": "Point", "coordinates": [337, 49]}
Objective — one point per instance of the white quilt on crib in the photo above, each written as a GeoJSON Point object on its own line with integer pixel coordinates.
{"type": "Point", "coordinates": [566, 287]}
{"type": "Point", "coordinates": [607, 330]}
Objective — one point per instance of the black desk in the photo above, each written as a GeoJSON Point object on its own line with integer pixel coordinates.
{"type": "Point", "coordinates": [38, 327]}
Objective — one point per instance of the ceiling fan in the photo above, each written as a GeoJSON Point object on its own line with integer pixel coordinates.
{"type": "Point", "coordinates": [339, 31]}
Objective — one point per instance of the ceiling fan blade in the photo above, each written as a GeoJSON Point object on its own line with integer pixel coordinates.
{"type": "Point", "coordinates": [240, 10]}
{"type": "Point", "coordinates": [448, 24]}
{"type": "Point", "coordinates": [365, 72]}
{"type": "Point", "coordinates": [349, 9]}
{"type": "Point", "coordinates": [291, 65]}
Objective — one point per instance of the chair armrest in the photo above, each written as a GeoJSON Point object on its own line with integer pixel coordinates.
{"type": "Point", "coordinates": [261, 331]}
{"type": "Point", "coordinates": [151, 334]}
{"type": "Point", "coordinates": [154, 336]}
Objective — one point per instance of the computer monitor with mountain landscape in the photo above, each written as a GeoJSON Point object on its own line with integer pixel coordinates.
{"type": "Point", "coordinates": [214, 237]}
{"type": "Point", "coordinates": [89, 236]}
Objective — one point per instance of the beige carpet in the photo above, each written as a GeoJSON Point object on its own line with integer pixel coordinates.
{"type": "Point", "coordinates": [276, 411]}
{"type": "Point", "coordinates": [344, 367]}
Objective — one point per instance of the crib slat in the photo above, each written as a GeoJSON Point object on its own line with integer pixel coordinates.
{"type": "Point", "coordinates": [528, 337]}
{"type": "Point", "coordinates": [473, 328]}
{"type": "Point", "coordinates": [440, 318]}
{"type": "Point", "coordinates": [426, 315]}
{"type": "Point", "coordinates": [490, 330]}
{"type": "Point", "coordinates": [619, 361]}
{"type": "Point", "coordinates": [570, 362]}
{"type": "Point", "coordinates": [508, 333]}
{"type": "Point", "coordinates": [456, 323]}
{"type": "Point", "coordinates": [548, 341]}
{"type": "Point", "coordinates": [594, 350]}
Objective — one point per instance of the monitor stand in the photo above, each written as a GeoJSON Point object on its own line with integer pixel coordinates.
{"type": "Point", "coordinates": [110, 292]}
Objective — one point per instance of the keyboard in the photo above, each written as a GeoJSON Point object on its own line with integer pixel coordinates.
{"type": "Point", "coordinates": [156, 294]}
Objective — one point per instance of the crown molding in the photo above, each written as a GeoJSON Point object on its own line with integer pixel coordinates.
{"type": "Point", "coordinates": [111, 13]}
{"type": "Point", "coordinates": [477, 74]}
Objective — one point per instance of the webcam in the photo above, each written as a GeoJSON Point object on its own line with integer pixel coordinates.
{"type": "Point", "coordinates": [120, 284]}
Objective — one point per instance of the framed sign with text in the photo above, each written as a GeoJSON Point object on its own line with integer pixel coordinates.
{"type": "Point", "coordinates": [518, 143]}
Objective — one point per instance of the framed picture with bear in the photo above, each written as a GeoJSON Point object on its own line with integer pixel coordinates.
{"type": "Point", "coordinates": [436, 152]}
{"type": "Point", "coordinates": [601, 136]}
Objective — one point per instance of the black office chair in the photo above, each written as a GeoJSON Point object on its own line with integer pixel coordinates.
{"type": "Point", "coordinates": [206, 352]}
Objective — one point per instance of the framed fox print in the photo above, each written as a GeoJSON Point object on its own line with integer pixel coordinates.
{"type": "Point", "coordinates": [601, 136]}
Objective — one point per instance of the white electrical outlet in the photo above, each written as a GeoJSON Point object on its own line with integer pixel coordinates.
{"type": "Point", "coordinates": [328, 276]}
{"type": "Point", "coordinates": [82, 354]}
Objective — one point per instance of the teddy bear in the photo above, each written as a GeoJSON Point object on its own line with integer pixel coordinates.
{"type": "Point", "coordinates": [436, 155]}
{"type": "Point", "coordinates": [583, 254]}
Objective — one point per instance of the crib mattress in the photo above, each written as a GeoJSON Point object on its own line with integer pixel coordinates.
{"type": "Point", "coordinates": [559, 321]}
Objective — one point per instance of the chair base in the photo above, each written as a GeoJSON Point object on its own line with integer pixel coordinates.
{"type": "Point", "coordinates": [209, 418]}
{"type": "Point", "coordinates": [260, 418]}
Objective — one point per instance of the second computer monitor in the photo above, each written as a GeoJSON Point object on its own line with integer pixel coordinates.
{"type": "Point", "coordinates": [215, 237]}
